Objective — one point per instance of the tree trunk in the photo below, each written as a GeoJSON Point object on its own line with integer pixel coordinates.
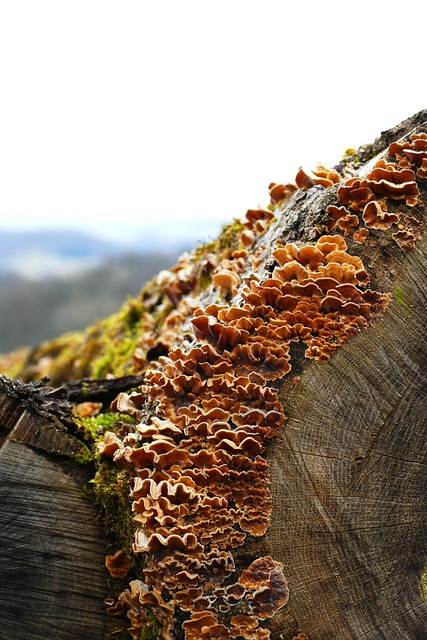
{"type": "Point", "coordinates": [348, 471]}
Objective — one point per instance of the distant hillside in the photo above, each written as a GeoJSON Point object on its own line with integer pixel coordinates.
{"type": "Point", "coordinates": [31, 312]}
{"type": "Point", "coordinates": [57, 252]}
{"type": "Point", "coordinates": [56, 281]}
{"type": "Point", "coordinates": [37, 254]}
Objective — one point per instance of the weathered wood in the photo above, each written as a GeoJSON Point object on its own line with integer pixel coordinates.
{"type": "Point", "coordinates": [52, 576]}
{"type": "Point", "coordinates": [104, 390]}
{"type": "Point", "coordinates": [349, 475]}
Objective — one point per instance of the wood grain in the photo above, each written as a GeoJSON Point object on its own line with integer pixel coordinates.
{"type": "Point", "coordinates": [52, 576]}
{"type": "Point", "coordinates": [349, 478]}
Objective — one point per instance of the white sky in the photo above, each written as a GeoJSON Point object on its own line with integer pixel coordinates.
{"type": "Point", "coordinates": [124, 113]}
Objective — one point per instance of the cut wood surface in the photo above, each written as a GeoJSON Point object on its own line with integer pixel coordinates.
{"type": "Point", "coordinates": [52, 576]}
{"type": "Point", "coordinates": [349, 480]}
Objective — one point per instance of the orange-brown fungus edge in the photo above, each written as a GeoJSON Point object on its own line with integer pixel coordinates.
{"type": "Point", "coordinates": [118, 564]}
{"type": "Point", "coordinates": [363, 201]}
{"type": "Point", "coordinates": [208, 409]}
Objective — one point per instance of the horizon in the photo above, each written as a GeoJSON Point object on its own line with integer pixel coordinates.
{"type": "Point", "coordinates": [114, 231]}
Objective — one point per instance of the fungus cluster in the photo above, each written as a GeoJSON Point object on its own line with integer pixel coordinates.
{"type": "Point", "coordinates": [412, 153]}
{"type": "Point", "coordinates": [199, 478]}
{"type": "Point", "coordinates": [179, 288]}
{"type": "Point", "coordinates": [320, 176]}
{"type": "Point", "coordinates": [256, 222]}
{"type": "Point", "coordinates": [363, 201]}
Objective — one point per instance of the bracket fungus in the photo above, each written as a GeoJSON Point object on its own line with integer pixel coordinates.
{"type": "Point", "coordinates": [384, 185]}
{"type": "Point", "coordinates": [209, 408]}
{"type": "Point", "coordinates": [118, 564]}
{"type": "Point", "coordinates": [280, 193]}
{"type": "Point", "coordinates": [321, 175]}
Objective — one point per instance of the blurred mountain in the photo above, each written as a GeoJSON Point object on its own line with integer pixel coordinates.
{"type": "Point", "coordinates": [35, 254]}
{"type": "Point", "coordinates": [62, 280]}
{"type": "Point", "coordinates": [32, 311]}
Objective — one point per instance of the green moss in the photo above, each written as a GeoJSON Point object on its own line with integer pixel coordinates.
{"type": "Point", "coordinates": [90, 430]}
{"type": "Point", "coordinates": [95, 426]}
{"type": "Point", "coordinates": [204, 281]}
{"type": "Point", "coordinates": [424, 585]}
{"type": "Point", "coordinates": [131, 317]}
{"type": "Point", "coordinates": [117, 339]}
{"type": "Point", "coordinates": [224, 245]}
{"type": "Point", "coordinates": [348, 152]}
{"type": "Point", "coordinates": [85, 456]}
{"type": "Point", "coordinates": [11, 364]}
{"type": "Point", "coordinates": [400, 297]}
{"type": "Point", "coordinates": [114, 359]}
{"type": "Point", "coordinates": [104, 347]}
{"type": "Point", "coordinates": [229, 239]}
{"type": "Point", "coordinates": [55, 358]}
{"type": "Point", "coordinates": [110, 491]}
{"type": "Point", "coordinates": [151, 631]}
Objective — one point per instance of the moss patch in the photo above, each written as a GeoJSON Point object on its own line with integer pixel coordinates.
{"type": "Point", "coordinates": [151, 630]}
{"type": "Point", "coordinates": [400, 296]}
{"type": "Point", "coordinates": [110, 488]}
{"type": "Point", "coordinates": [224, 245]}
{"type": "Point", "coordinates": [424, 585]}
{"type": "Point", "coordinates": [11, 364]}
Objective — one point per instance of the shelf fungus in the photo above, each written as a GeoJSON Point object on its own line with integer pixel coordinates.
{"type": "Point", "coordinates": [210, 408]}
{"type": "Point", "coordinates": [320, 176]}
{"type": "Point", "coordinates": [280, 193]}
{"type": "Point", "coordinates": [118, 564]}
{"type": "Point", "coordinates": [383, 186]}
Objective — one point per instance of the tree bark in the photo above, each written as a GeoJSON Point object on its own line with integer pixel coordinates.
{"type": "Point", "coordinates": [105, 390]}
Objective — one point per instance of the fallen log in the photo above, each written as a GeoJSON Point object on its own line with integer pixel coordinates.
{"type": "Point", "coordinates": [343, 551]}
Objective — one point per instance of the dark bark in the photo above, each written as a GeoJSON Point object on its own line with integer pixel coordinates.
{"type": "Point", "coordinates": [105, 390]}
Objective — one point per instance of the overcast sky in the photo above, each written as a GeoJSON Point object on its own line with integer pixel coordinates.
{"type": "Point", "coordinates": [129, 113]}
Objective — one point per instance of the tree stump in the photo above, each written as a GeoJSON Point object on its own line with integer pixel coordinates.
{"type": "Point", "coordinates": [52, 576]}
{"type": "Point", "coordinates": [349, 477]}
{"type": "Point", "coordinates": [348, 470]}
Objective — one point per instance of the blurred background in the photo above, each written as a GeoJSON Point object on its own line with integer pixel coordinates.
{"type": "Point", "coordinates": [129, 131]}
